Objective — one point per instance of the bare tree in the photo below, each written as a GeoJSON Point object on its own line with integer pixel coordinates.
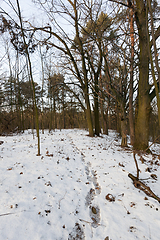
{"type": "Point", "coordinates": [145, 92]}
{"type": "Point", "coordinates": [30, 73]}
{"type": "Point", "coordinates": [78, 50]}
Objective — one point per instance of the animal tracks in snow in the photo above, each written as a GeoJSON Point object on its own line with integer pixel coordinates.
{"type": "Point", "coordinates": [94, 210]}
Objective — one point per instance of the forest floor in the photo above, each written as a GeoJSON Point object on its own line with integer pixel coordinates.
{"type": "Point", "coordinates": [77, 189]}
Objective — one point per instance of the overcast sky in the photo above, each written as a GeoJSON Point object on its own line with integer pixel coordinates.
{"type": "Point", "coordinates": [29, 12]}
{"type": "Point", "coordinates": [28, 8]}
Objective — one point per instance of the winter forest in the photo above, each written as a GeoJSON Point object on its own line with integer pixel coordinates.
{"type": "Point", "coordinates": [80, 119]}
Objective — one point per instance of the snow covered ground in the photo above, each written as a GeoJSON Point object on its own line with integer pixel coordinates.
{"type": "Point", "coordinates": [77, 189]}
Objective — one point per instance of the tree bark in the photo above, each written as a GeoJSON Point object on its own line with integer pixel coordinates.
{"type": "Point", "coordinates": [42, 66]}
{"type": "Point", "coordinates": [143, 106]}
{"type": "Point", "coordinates": [123, 127]}
{"type": "Point", "coordinates": [88, 113]}
{"type": "Point", "coordinates": [84, 69]}
{"type": "Point", "coordinates": [131, 115]}
{"type": "Point", "coordinates": [96, 110]}
{"type": "Point", "coordinates": [156, 60]}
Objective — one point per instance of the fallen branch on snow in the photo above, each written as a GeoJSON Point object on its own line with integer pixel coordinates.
{"type": "Point", "coordinates": [61, 200]}
{"type": "Point", "coordinates": [140, 185]}
{"type": "Point", "coordinates": [5, 214]}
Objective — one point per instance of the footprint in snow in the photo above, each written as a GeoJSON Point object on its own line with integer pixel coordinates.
{"type": "Point", "coordinates": [77, 233]}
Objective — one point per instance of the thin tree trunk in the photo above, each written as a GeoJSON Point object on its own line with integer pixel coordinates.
{"type": "Point", "coordinates": [84, 69]}
{"type": "Point", "coordinates": [11, 79]}
{"type": "Point", "coordinates": [156, 61]}
{"type": "Point", "coordinates": [96, 106]}
{"type": "Point", "coordinates": [42, 114]}
{"type": "Point", "coordinates": [31, 76]}
{"type": "Point", "coordinates": [118, 118]}
{"type": "Point", "coordinates": [123, 126]}
{"type": "Point", "coordinates": [96, 114]}
{"type": "Point", "coordinates": [88, 114]}
{"type": "Point", "coordinates": [54, 114]}
{"type": "Point", "coordinates": [104, 118]}
{"type": "Point", "coordinates": [131, 115]}
{"type": "Point", "coordinates": [63, 107]}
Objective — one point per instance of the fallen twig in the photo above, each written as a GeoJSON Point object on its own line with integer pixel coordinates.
{"type": "Point", "coordinates": [152, 143]}
{"type": "Point", "coordinates": [140, 185]}
{"type": "Point", "coordinates": [99, 224]}
{"type": "Point", "coordinates": [138, 170]}
{"type": "Point", "coordinates": [85, 221]}
{"type": "Point", "coordinates": [90, 223]}
{"type": "Point", "coordinates": [5, 214]}
{"type": "Point", "coordinates": [61, 200]}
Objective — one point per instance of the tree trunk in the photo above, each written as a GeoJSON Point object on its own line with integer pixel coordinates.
{"type": "Point", "coordinates": [124, 130]}
{"type": "Point", "coordinates": [143, 105]}
{"type": "Point", "coordinates": [123, 122]}
{"type": "Point", "coordinates": [96, 106]}
{"type": "Point", "coordinates": [88, 113]}
{"type": "Point", "coordinates": [118, 118]}
{"type": "Point", "coordinates": [51, 126]}
{"type": "Point", "coordinates": [42, 66]}
{"type": "Point", "coordinates": [31, 76]}
{"type": "Point", "coordinates": [96, 114]}
{"type": "Point", "coordinates": [104, 119]}
{"type": "Point", "coordinates": [54, 114]}
{"type": "Point", "coordinates": [156, 61]}
{"type": "Point", "coordinates": [63, 107]}
{"type": "Point", "coordinates": [131, 115]}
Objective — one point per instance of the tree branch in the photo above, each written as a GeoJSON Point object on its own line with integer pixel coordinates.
{"type": "Point", "coordinates": [140, 185]}
{"type": "Point", "coordinates": [129, 5]}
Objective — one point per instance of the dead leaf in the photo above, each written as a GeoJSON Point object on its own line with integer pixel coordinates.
{"type": "Point", "coordinates": [110, 197]}
{"type": "Point", "coordinates": [154, 176]}
{"type": "Point", "coordinates": [132, 204]}
{"type": "Point", "coordinates": [107, 238]}
{"type": "Point", "coordinates": [48, 184]}
{"type": "Point", "coordinates": [148, 169]}
{"type": "Point", "coordinates": [9, 169]}
{"type": "Point", "coordinates": [121, 165]}
{"type": "Point", "coordinates": [47, 211]}
{"type": "Point", "coordinates": [94, 210]}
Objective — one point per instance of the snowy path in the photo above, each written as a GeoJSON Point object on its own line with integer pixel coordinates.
{"type": "Point", "coordinates": [61, 194]}
{"type": "Point", "coordinates": [94, 211]}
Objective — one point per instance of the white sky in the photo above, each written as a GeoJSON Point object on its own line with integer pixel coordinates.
{"type": "Point", "coordinates": [34, 14]}
{"type": "Point", "coordinates": [28, 8]}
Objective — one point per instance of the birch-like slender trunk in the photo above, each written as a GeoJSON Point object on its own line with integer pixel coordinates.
{"type": "Point", "coordinates": [31, 75]}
